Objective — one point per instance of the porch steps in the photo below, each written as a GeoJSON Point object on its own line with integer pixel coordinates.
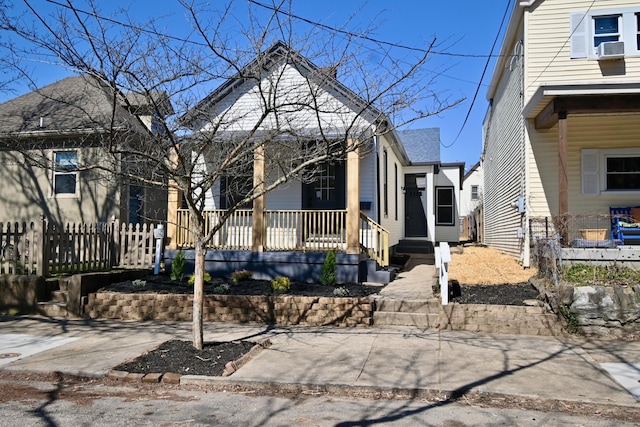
{"type": "Point", "coordinates": [56, 306]}
{"type": "Point", "coordinates": [396, 312]}
{"type": "Point", "coordinates": [371, 272]}
{"type": "Point", "coordinates": [406, 246]}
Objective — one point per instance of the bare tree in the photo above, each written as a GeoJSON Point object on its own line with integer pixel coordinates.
{"type": "Point", "coordinates": [290, 124]}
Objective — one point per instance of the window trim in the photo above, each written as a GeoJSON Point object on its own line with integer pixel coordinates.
{"type": "Point", "coordinates": [55, 173]}
{"type": "Point", "coordinates": [475, 195]}
{"type": "Point", "coordinates": [582, 31]}
{"type": "Point", "coordinates": [438, 206]}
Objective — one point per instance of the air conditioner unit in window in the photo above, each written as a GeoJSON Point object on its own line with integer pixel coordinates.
{"type": "Point", "coordinates": [610, 50]}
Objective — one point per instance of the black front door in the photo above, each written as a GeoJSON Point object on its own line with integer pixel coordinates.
{"type": "Point", "coordinates": [415, 216]}
{"type": "Point", "coordinates": [327, 191]}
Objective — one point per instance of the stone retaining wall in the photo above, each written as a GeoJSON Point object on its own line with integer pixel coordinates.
{"type": "Point", "coordinates": [503, 319]}
{"type": "Point", "coordinates": [282, 310]}
{"type": "Point", "coordinates": [611, 310]}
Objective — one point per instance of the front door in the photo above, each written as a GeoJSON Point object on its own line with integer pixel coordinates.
{"type": "Point", "coordinates": [415, 216]}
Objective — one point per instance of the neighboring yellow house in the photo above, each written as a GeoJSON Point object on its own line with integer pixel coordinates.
{"type": "Point", "coordinates": [561, 132]}
{"type": "Point", "coordinates": [51, 138]}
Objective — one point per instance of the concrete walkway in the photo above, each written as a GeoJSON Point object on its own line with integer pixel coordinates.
{"type": "Point", "coordinates": [401, 358]}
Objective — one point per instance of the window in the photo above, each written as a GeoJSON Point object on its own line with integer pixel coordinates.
{"type": "Point", "coordinates": [622, 173]}
{"type": "Point", "coordinates": [325, 184]}
{"type": "Point", "coordinates": [474, 192]}
{"type": "Point", "coordinates": [444, 206]}
{"type": "Point", "coordinates": [610, 170]}
{"type": "Point", "coordinates": [606, 29]}
{"type": "Point", "coordinates": [638, 31]}
{"type": "Point", "coordinates": [385, 182]}
{"type": "Point", "coordinates": [395, 193]}
{"type": "Point", "coordinates": [65, 173]}
{"type": "Point", "coordinates": [590, 29]}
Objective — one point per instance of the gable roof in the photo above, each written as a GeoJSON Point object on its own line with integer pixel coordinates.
{"type": "Point", "coordinates": [77, 104]}
{"type": "Point", "coordinates": [265, 60]}
{"type": "Point", "coordinates": [421, 145]}
{"type": "Point", "coordinates": [471, 170]}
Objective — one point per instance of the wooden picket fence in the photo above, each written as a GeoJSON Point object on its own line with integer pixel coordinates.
{"type": "Point", "coordinates": [45, 249]}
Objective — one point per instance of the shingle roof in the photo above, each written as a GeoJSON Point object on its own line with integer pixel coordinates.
{"type": "Point", "coordinates": [421, 145]}
{"type": "Point", "coordinates": [77, 103]}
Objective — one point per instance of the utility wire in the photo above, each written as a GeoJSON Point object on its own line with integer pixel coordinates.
{"type": "Point", "coordinates": [486, 66]}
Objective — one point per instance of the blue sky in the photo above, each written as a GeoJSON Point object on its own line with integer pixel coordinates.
{"type": "Point", "coordinates": [463, 27]}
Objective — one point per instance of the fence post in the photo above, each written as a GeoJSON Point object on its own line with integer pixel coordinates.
{"type": "Point", "coordinates": [39, 247]}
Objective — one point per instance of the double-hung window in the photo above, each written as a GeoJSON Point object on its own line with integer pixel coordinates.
{"type": "Point", "coordinates": [590, 29]}
{"type": "Point", "coordinates": [444, 206]}
{"type": "Point", "coordinates": [610, 171]}
{"type": "Point", "coordinates": [474, 192]}
{"type": "Point", "coordinates": [65, 173]}
{"type": "Point", "coordinates": [606, 29]}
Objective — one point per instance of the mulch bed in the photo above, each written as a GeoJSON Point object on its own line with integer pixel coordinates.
{"type": "Point", "coordinates": [162, 284]}
{"type": "Point", "coordinates": [507, 294]}
{"type": "Point", "coordinates": [181, 357]}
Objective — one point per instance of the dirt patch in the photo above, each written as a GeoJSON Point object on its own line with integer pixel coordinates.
{"type": "Point", "coordinates": [505, 294]}
{"type": "Point", "coordinates": [481, 265]}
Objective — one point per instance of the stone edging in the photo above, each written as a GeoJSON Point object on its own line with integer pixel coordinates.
{"type": "Point", "coordinates": [174, 378]}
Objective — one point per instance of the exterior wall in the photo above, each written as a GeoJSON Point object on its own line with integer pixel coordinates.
{"type": "Point", "coordinates": [393, 221]}
{"type": "Point", "coordinates": [466, 204]}
{"type": "Point", "coordinates": [503, 160]}
{"type": "Point", "coordinates": [242, 109]}
{"type": "Point", "coordinates": [548, 47]}
{"type": "Point", "coordinates": [26, 193]}
{"type": "Point", "coordinates": [584, 132]}
{"type": "Point", "coordinates": [428, 197]}
{"type": "Point", "coordinates": [449, 177]}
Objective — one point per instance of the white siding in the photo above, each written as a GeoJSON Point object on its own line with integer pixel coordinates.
{"type": "Point", "coordinates": [466, 204]}
{"type": "Point", "coordinates": [389, 221]}
{"type": "Point", "coordinates": [449, 177]}
{"type": "Point", "coordinates": [504, 164]}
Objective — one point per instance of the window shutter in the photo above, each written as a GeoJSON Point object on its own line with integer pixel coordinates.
{"type": "Point", "coordinates": [590, 175]}
{"type": "Point", "coordinates": [579, 39]}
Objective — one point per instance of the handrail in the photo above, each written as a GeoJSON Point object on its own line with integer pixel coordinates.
{"type": "Point", "coordinates": [374, 240]}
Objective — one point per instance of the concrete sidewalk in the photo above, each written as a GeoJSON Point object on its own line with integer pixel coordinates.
{"type": "Point", "coordinates": [388, 358]}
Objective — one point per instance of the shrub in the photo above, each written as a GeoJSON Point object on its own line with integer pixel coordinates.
{"type": "Point", "coordinates": [192, 279]}
{"type": "Point", "coordinates": [281, 284]}
{"type": "Point", "coordinates": [177, 267]}
{"type": "Point", "coordinates": [328, 277]}
{"type": "Point", "coordinates": [222, 289]}
{"type": "Point", "coordinates": [241, 276]}
{"type": "Point", "coordinates": [139, 282]}
{"type": "Point", "coordinates": [341, 292]}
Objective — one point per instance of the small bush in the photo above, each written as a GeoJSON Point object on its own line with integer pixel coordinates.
{"type": "Point", "coordinates": [281, 284]}
{"type": "Point", "coordinates": [241, 276]}
{"type": "Point", "coordinates": [177, 267]}
{"type": "Point", "coordinates": [341, 292]}
{"type": "Point", "coordinates": [139, 283]}
{"type": "Point", "coordinates": [192, 279]}
{"type": "Point", "coordinates": [222, 289]}
{"type": "Point", "coordinates": [328, 277]}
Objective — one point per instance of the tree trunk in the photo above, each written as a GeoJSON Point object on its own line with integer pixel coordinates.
{"type": "Point", "coordinates": [198, 295]}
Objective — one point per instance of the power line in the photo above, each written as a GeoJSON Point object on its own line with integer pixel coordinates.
{"type": "Point", "coordinates": [486, 66]}
{"type": "Point", "coordinates": [365, 37]}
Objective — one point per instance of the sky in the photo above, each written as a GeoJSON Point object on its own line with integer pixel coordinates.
{"type": "Point", "coordinates": [465, 28]}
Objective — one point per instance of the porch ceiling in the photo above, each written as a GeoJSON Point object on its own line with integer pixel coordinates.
{"type": "Point", "coordinates": [548, 101]}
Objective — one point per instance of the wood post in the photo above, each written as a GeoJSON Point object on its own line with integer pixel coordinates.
{"type": "Point", "coordinates": [173, 204]}
{"type": "Point", "coordinates": [353, 198]}
{"type": "Point", "coordinates": [258, 233]}
{"type": "Point", "coordinates": [563, 182]}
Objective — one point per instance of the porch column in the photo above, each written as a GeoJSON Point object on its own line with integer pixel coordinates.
{"type": "Point", "coordinates": [258, 203]}
{"type": "Point", "coordinates": [173, 204]}
{"type": "Point", "coordinates": [353, 198]}
{"type": "Point", "coordinates": [563, 185]}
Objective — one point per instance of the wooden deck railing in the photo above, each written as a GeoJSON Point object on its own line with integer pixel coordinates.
{"type": "Point", "coordinates": [293, 230]}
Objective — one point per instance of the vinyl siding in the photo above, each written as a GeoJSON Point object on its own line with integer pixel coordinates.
{"type": "Point", "coordinates": [395, 227]}
{"type": "Point", "coordinates": [466, 204]}
{"type": "Point", "coordinates": [548, 47]}
{"type": "Point", "coordinates": [504, 165]}
{"type": "Point", "coordinates": [449, 177]}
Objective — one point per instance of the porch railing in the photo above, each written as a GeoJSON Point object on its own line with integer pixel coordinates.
{"type": "Point", "coordinates": [294, 230]}
{"type": "Point", "coordinates": [374, 240]}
